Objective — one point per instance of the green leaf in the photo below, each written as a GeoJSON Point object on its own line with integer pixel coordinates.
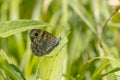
{"type": "Point", "coordinates": [99, 70]}
{"type": "Point", "coordinates": [10, 71]}
{"type": "Point", "coordinates": [9, 28]}
{"type": "Point", "coordinates": [111, 71]}
{"type": "Point", "coordinates": [87, 65]}
{"type": "Point", "coordinates": [16, 70]}
{"type": "Point", "coordinates": [81, 15]}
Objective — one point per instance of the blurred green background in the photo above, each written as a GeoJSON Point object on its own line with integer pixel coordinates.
{"type": "Point", "coordinates": [79, 56]}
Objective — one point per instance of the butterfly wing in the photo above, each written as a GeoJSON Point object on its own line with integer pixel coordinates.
{"type": "Point", "coordinates": [50, 41]}
{"type": "Point", "coordinates": [43, 43]}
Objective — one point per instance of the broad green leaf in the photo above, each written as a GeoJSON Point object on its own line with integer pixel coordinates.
{"type": "Point", "coordinates": [9, 28]}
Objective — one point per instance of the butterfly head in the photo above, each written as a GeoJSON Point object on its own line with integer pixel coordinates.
{"type": "Point", "coordinates": [35, 34]}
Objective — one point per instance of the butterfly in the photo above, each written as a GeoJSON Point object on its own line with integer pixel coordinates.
{"type": "Point", "coordinates": [42, 42]}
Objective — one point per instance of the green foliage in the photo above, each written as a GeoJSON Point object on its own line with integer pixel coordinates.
{"type": "Point", "coordinates": [12, 27]}
{"type": "Point", "coordinates": [77, 57]}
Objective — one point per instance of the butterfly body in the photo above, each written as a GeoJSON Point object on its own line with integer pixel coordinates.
{"type": "Point", "coordinates": [42, 42]}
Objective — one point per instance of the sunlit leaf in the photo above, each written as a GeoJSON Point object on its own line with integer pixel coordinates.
{"type": "Point", "coordinates": [8, 28]}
